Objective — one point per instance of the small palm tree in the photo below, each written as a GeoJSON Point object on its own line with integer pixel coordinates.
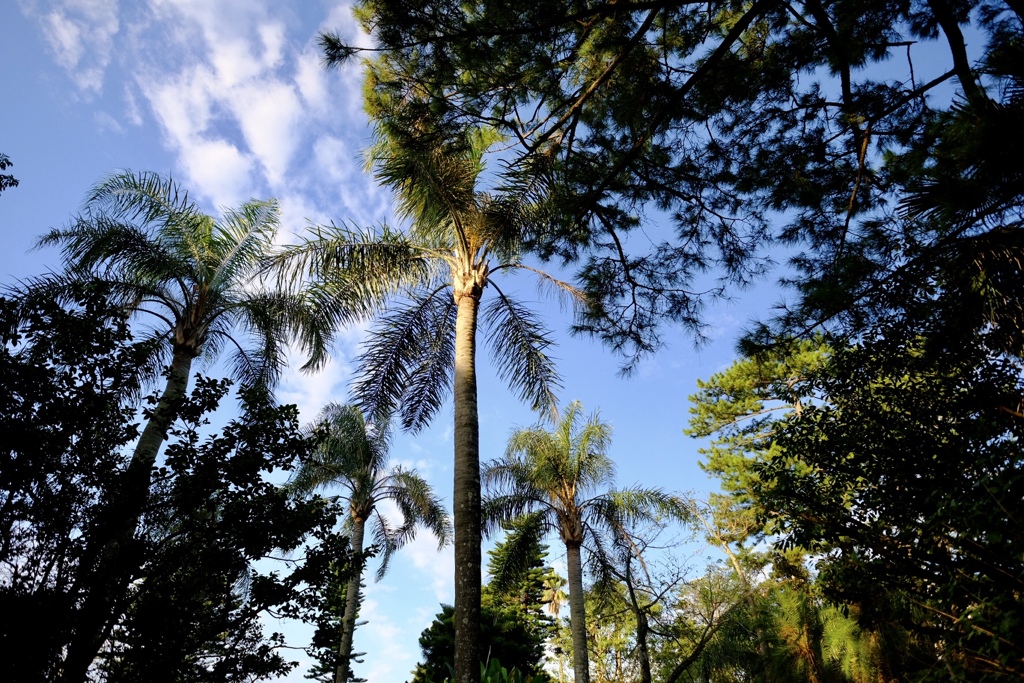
{"type": "Point", "coordinates": [193, 276]}
{"type": "Point", "coordinates": [563, 477]}
{"type": "Point", "coordinates": [425, 288]}
{"type": "Point", "coordinates": [353, 455]}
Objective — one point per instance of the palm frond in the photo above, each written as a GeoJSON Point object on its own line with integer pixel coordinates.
{"type": "Point", "coordinates": [145, 196]}
{"type": "Point", "coordinates": [384, 540]}
{"type": "Point", "coordinates": [243, 238]}
{"type": "Point", "coordinates": [419, 506]}
{"type": "Point", "coordinates": [112, 250]}
{"type": "Point", "coordinates": [430, 379]}
{"type": "Point", "coordinates": [398, 356]}
{"type": "Point", "coordinates": [518, 342]}
{"type": "Point", "coordinates": [435, 183]}
{"type": "Point", "coordinates": [344, 455]}
{"type": "Point", "coordinates": [383, 259]}
{"type": "Point", "coordinates": [502, 509]}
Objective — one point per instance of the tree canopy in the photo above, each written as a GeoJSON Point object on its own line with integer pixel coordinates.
{"type": "Point", "coordinates": [739, 124]}
{"type": "Point", "coordinates": [191, 608]}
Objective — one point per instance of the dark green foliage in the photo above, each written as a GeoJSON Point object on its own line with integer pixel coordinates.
{"type": "Point", "coordinates": [7, 180]}
{"type": "Point", "coordinates": [736, 125]}
{"type": "Point", "coordinates": [519, 576]}
{"type": "Point", "coordinates": [910, 485]}
{"type": "Point", "coordinates": [902, 477]}
{"type": "Point", "coordinates": [514, 626]}
{"type": "Point", "coordinates": [195, 614]}
{"type": "Point", "coordinates": [67, 381]}
{"type": "Point", "coordinates": [191, 608]}
{"type": "Point", "coordinates": [504, 637]}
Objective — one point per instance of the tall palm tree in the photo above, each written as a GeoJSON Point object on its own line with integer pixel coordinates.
{"type": "Point", "coordinates": [194, 277]}
{"type": "Point", "coordinates": [426, 286]}
{"type": "Point", "coordinates": [353, 455]}
{"type": "Point", "coordinates": [564, 478]}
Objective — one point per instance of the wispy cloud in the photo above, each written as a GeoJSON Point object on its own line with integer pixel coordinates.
{"type": "Point", "coordinates": [81, 35]}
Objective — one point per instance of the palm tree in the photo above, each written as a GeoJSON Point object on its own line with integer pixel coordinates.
{"type": "Point", "coordinates": [425, 286]}
{"type": "Point", "coordinates": [162, 258]}
{"type": "Point", "coordinates": [353, 454]}
{"type": "Point", "coordinates": [561, 477]}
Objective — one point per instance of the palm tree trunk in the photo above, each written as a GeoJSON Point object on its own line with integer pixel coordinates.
{"type": "Point", "coordinates": [110, 560]}
{"type": "Point", "coordinates": [577, 614]}
{"type": "Point", "coordinates": [348, 620]}
{"type": "Point", "coordinates": [466, 494]}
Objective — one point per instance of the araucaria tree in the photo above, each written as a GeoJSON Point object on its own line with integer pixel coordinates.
{"type": "Point", "coordinates": [193, 276]}
{"type": "Point", "coordinates": [426, 288]}
{"type": "Point", "coordinates": [564, 477]}
{"type": "Point", "coordinates": [352, 454]}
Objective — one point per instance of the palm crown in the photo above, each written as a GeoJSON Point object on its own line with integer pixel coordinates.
{"type": "Point", "coordinates": [563, 478]}
{"type": "Point", "coordinates": [160, 257]}
{"type": "Point", "coordinates": [193, 274]}
{"type": "Point", "coordinates": [425, 288]}
{"type": "Point", "coordinates": [353, 455]}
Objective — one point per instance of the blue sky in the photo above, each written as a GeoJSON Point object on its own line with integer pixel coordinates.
{"type": "Point", "coordinates": [229, 97]}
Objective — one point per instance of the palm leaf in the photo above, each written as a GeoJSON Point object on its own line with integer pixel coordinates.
{"type": "Point", "coordinates": [398, 356]}
{"type": "Point", "coordinates": [518, 342]}
{"type": "Point", "coordinates": [146, 197]}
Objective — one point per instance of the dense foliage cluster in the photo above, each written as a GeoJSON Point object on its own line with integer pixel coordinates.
{"type": "Point", "coordinates": [195, 593]}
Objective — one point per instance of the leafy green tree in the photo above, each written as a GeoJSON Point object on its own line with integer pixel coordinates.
{"type": "Point", "coordinates": [890, 478]}
{"type": "Point", "coordinates": [909, 488]}
{"type": "Point", "coordinates": [426, 289]}
{"type": "Point", "coordinates": [561, 477]}
{"type": "Point", "coordinates": [196, 610]}
{"type": "Point", "coordinates": [69, 383]}
{"type": "Point", "coordinates": [515, 627]}
{"type": "Point", "coordinates": [69, 400]}
{"type": "Point", "coordinates": [353, 455]}
{"type": "Point", "coordinates": [504, 635]}
{"type": "Point", "coordinates": [781, 629]}
{"type": "Point", "coordinates": [520, 579]}
{"type": "Point", "coordinates": [738, 409]}
{"type": "Point", "coordinates": [162, 257]}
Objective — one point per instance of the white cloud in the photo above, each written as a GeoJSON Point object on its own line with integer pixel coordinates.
{"type": "Point", "coordinates": [218, 169]}
{"type": "Point", "coordinates": [311, 392]}
{"type": "Point", "coordinates": [270, 115]}
{"type": "Point", "coordinates": [435, 567]}
{"type": "Point", "coordinates": [311, 79]}
{"type": "Point", "coordinates": [80, 33]}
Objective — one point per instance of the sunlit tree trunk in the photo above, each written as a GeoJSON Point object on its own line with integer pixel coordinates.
{"type": "Point", "coordinates": [466, 494]}
{"type": "Point", "coordinates": [577, 613]}
{"type": "Point", "coordinates": [109, 564]}
{"type": "Point", "coordinates": [348, 620]}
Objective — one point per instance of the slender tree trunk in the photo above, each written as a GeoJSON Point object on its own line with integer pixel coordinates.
{"type": "Point", "coordinates": [466, 494]}
{"type": "Point", "coordinates": [110, 559]}
{"type": "Point", "coordinates": [577, 614]}
{"type": "Point", "coordinates": [643, 627]}
{"type": "Point", "coordinates": [348, 620]}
